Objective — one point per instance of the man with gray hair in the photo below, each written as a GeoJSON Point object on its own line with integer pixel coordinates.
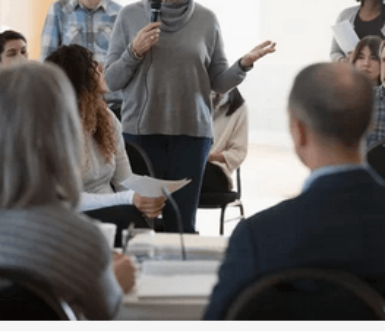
{"type": "Point", "coordinates": [338, 219]}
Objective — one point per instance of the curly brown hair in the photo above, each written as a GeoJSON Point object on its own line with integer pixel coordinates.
{"type": "Point", "coordinates": [82, 70]}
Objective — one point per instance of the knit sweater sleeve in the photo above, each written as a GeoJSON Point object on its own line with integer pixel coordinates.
{"type": "Point", "coordinates": [121, 64]}
{"type": "Point", "coordinates": [336, 53]}
{"type": "Point", "coordinates": [122, 164]}
{"type": "Point", "coordinates": [223, 78]}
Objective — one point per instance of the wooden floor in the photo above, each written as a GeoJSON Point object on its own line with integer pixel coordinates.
{"type": "Point", "coordinates": [269, 175]}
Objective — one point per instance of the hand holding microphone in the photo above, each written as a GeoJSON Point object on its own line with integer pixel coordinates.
{"type": "Point", "coordinates": [149, 35]}
{"type": "Point", "coordinates": [146, 38]}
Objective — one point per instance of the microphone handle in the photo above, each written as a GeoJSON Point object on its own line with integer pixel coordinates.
{"type": "Point", "coordinates": [154, 15]}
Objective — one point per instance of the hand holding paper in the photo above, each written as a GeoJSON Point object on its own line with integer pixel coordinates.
{"type": "Point", "coordinates": [151, 207]}
{"type": "Point", "coordinates": [151, 187]}
{"type": "Point", "coordinates": [345, 36]}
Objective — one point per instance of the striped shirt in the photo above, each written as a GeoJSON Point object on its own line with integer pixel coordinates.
{"type": "Point", "coordinates": [66, 249]}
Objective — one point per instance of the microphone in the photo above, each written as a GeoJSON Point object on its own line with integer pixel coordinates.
{"type": "Point", "coordinates": [155, 10]}
{"type": "Point", "coordinates": [174, 205]}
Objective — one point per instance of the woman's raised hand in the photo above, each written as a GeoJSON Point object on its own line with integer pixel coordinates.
{"type": "Point", "coordinates": [258, 52]}
{"type": "Point", "coordinates": [146, 38]}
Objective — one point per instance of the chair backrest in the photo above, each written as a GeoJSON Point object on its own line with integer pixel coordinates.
{"type": "Point", "coordinates": [139, 161]}
{"type": "Point", "coordinates": [308, 294]}
{"type": "Point", "coordinates": [29, 297]}
{"type": "Point", "coordinates": [375, 157]}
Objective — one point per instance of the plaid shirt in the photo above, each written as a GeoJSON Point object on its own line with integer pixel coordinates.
{"type": "Point", "coordinates": [68, 22]}
{"type": "Point", "coordinates": [377, 131]}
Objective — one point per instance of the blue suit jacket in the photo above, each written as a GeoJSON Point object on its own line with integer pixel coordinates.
{"type": "Point", "coordinates": [339, 222]}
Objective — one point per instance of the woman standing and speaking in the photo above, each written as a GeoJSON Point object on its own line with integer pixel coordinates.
{"type": "Point", "coordinates": [167, 70]}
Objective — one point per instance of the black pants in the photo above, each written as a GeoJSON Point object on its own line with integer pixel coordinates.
{"type": "Point", "coordinates": [121, 216]}
{"type": "Point", "coordinates": [214, 180]}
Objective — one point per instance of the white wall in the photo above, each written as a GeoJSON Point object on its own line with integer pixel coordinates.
{"type": "Point", "coordinates": [301, 29]}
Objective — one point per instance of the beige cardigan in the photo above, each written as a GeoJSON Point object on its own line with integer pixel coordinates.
{"type": "Point", "coordinates": [230, 138]}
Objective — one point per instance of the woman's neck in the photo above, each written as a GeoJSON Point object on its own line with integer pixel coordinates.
{"type": "Point", "coordinates": [370, 9]}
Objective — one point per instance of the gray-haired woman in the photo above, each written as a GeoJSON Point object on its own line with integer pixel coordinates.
{"type": "Point", "coordinates": [40, 158]}
{"type": "Point", "coordinates": [167, 70]}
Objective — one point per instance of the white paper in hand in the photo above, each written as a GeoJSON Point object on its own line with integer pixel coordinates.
{"type": "Point", "coordinates": [345, 36]}
{"type": "Point", "coordinates": [151, 187]}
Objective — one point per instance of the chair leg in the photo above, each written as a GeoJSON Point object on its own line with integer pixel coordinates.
{"type": "Point", "coordinates": [222, 220]}
{"type": "Point", "coordinates": [242, 210]}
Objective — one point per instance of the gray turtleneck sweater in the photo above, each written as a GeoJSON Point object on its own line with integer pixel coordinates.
{"type": "Point", "coordinates": [168, 92]}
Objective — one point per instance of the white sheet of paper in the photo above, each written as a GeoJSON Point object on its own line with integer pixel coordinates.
{"type": "Point", "coordinates": [345, 36]}
{"type": "Point", "coordinates": [179, 286]}
{"type": "Point", "coordinates": [152, 187]}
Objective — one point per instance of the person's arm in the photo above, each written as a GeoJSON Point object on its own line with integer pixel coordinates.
{"type": "Point", "coordinates": [92, 201]}
{"type": "Point", "coordinates": [124, 272]}
{"type": "Point", "coordinates": [236, 149]}
{"type": "Point", "coordinates": [236, 272]}
{"type": "Point", "coordinates": [50, 37]}
{"type": "Point", "coordinates": [122, 60]}
{"type": "Point", "coordinates": [122, 164]}
{"type": "Point", "coordinates": [336, 53]}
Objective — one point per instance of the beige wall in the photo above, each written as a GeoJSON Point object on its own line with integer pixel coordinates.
{"type": "Point", "coordinates": [27, 17]}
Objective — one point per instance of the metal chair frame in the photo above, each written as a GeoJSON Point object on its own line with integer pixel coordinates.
{"type": "Point", "coordinates": [235, 203]}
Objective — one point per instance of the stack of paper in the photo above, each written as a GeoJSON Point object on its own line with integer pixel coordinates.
{"type": "Point", "coordinates": [177, 279]}
{"type": "Point", "coordinates": [172, 267]}
{"type": "Point", "coordinates": [176, 287]}
{"type": "Point", "coordinates": [167, 246]}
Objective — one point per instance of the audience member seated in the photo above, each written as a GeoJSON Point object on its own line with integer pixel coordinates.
{"type": "Point", "coordinates": [377, 127]}
{"type": "Point", "coordinates": [106, 166]}
{"type": "Point", "coordinates": [366, 57]}
{"type": "Point", "coordinates": [13, 48]}
{"type": "Point", "coordinates": [338, 219]}
{"type": "Point", "coordinates": [230, 141]}
{"type": "Point", "coordinates": [40, 184]}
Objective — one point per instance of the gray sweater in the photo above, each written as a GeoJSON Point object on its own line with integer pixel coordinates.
{"type": "Point", "coordinates": [66, 249]}
{"type": "Point", "coordinates": [168, 92]}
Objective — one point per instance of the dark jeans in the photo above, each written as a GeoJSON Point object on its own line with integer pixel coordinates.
{"type": "Point", "coordinates": [214, 180]}
{"type": "Point", "coordinates": [174, 158]}
{"type": "Point", "coordinates": [121, 216]}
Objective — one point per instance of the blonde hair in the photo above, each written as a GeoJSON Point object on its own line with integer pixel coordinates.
{"type": "Point", "coordinates": [40, 140]}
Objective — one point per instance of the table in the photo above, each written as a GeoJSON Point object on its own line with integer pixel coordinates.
{"type": "Point", "coordinates": [169, 307]}
{"type": "Point", "coordinates": [161, 310]}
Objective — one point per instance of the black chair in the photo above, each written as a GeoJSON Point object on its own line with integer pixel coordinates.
{"type": "Point", "coordinates": [139, 161]}
{"type": "Point", "coordinates": [375, 157]}
{"type": "Point", "coordinates": [224, 200]}
{"type": "Point", "coordinates": [308, 294]}
{"type": "Point", "coordinates": [29, 297]}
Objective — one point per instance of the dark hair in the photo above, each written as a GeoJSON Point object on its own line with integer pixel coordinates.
{"type": "Point", "coordinates": [335, 100]}
{"type": "Point", "coordinates": [81, 68]}
{"type": "Point", "coordinates": [9, 35]}
{"type": "Point", "coordinates": [373, 42]}
{"type": "Point", "coordinates": [234, 101]}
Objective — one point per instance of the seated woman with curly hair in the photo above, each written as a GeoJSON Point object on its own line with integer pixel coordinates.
{"type": "Point", "coordinates": [106, 166]}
